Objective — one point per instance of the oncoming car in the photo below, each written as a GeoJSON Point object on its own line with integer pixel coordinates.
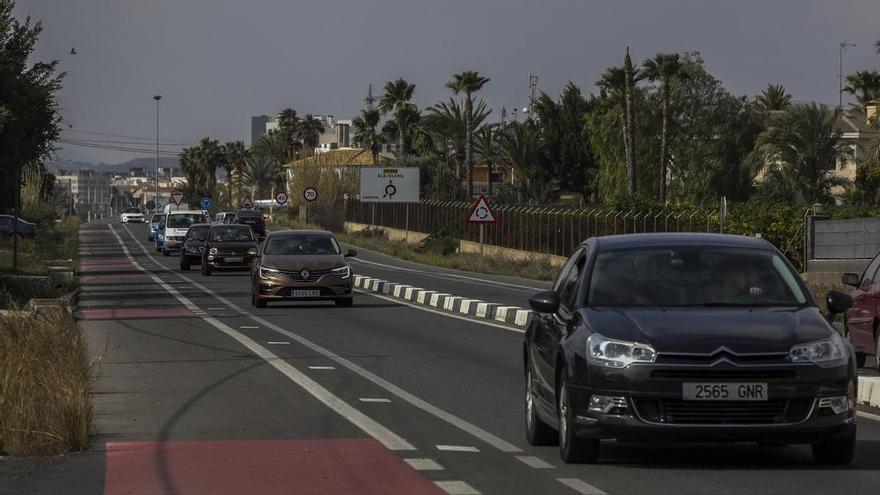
{"type": "Point", "coordinates": [155, 220]}
{"type": "Point", "coordinates": [686, 337]}
{"type": "Point", "coordinates": [228, 247]}
{"type": "Point", "coordinates": [301, 265]}
{"type": "Point", "coordinates": [173, 228]}
{"type": "Point", "coordinates": [131, 215]}
{"type": "Point", "coordinates": [194, 245]}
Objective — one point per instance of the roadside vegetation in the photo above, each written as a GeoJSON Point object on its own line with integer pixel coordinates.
{"type": "Point", "coordinates": [45, 406]}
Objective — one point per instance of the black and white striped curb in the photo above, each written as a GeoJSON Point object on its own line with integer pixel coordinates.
{"type": "Point", "coordinates": [510, 315]}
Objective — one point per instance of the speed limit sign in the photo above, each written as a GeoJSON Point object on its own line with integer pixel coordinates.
{"type": "Point", "coordinates": [281, 198]}
{"type": "Point", "coordinates": [310, 194]}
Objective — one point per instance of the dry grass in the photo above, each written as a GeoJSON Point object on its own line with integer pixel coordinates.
{"type": "Point", "coordinates": [45, 406]}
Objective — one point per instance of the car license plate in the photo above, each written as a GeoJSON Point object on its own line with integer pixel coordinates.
{"type": "Point", "coordinates": [233, 260]}
{"type": "Point", "coordinates": [724, 391]}
{"type": "Point", "coordinates": [305, 293]}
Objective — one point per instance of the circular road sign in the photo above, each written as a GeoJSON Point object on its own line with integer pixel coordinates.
{"type": "Point", "coordinates": [151, 204]}
{"type": "Point", "coordinates": [281, 198]}
{"type": "Point", "coordinates": [310, 194]}
{"type": "Point", "coordinates": [206, 203]}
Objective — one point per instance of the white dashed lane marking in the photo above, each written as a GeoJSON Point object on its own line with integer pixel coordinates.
{"type": "Point", "coordinates": [457, 448]}
{"type": "Point", "coordinates": [278, 343]}
{"type": "Point", "coordinates": [321, 368]}
{"type": "Point", "coordinates": [456, 488]}
{"type": "Point", "coordinates": [534, 462]}
{"type": "Point", "coordinates": [580, 486]}
{"type": "Point", "coordinates": [424, 464]}
{"type": "Point", "coordinates": [248, 327]}
{"type": "Point", "coordinates": [374, 399]}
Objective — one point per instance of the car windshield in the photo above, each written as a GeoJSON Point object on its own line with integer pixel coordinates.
{"type": "Point", "coordinates": [249, 214]}
{"type": "Point", "coordinates": [232, 233]}
{"type": "Point", "coordinates": [132, 210]}
{"type": "Point", "coordinates": [304, 244]}
{"type": "Point", "coordinates": [184, 220]}
{"type": "Point", "coordinates": [693, 276]}
{"type": "Point", "coordinates": [198, 233]}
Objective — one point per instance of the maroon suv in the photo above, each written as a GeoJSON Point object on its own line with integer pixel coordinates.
{"type": "Point", "coordinates": [252, 218]}
{"type": "Point", "coordinates": [863, 319]}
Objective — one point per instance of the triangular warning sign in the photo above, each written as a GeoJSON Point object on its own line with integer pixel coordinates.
{"type": "Point", "coordinates": [176, 198]}
{"type": "Point", "coordinates": [481, 212]}
{"type": "Point", "coordinates": [247, 204]}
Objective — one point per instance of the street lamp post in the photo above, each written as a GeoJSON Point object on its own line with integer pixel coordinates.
{"type": "Point", "coordinates": [157, 98]}
{"type": "Point", "coordinates": [843, 46]}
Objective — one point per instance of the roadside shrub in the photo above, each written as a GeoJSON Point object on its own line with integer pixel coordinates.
{"type": "Point", "coordinates": [443, 241]}
{"type": "Point", "coordinates": [45, 406]}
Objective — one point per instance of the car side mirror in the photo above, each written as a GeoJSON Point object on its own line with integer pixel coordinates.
{"type": "Point", "coordinates": [545, 302]}
{"type": "Point", "coordinates": [850, 279]}
{"type": "Point", "coordinates": [838, 302]}
{"type": "Point", "coordinates": [351, 253]}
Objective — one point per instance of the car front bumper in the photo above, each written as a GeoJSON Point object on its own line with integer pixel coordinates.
{"type": "Point", "coordinates": [655, 409]}
{"type": "Point", "coordinates": [331, 287]}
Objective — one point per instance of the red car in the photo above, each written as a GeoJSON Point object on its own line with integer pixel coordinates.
{"type": "Point", "coordinates": [863, 319]}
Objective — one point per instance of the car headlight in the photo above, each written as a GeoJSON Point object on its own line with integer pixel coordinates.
{"type": "Point", "coordinates": [192, 249]}
{"type": "Point", "coordinates": [267, 272]}
{"type": "Point", "coordinates": [826, 353]}
{"type": "Point", "coordinates": [342, 271]}
{"type": "Point", "coordinates": [212, 251]}
{"type": "Point", "coordinates": [618, 353]}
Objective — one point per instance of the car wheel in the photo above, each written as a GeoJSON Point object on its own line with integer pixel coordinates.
{"type": "Point", "coordinates": [257, 302]}
{"type": "Point", "coordinates": [345, 303]}
{"type": "Point", "coordinates": [537, 431]}
{"type": "Point", "coordinates": [184, 263]}
{"type": "Point", "coordinates": [206, 269]}
{"type": "Point", "coordinates": [835, 451]}
{"type": "Point", "coordinates": [572, 449]}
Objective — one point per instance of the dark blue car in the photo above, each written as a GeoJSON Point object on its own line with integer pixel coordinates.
{"type": "Point", "coordinates": [25, 228]}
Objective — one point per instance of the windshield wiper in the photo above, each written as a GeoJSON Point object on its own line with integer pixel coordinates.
{"type": "Point", "coordinates": [711, 304]}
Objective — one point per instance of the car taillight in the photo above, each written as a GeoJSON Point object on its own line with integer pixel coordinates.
{"type": "Point", "coordinates": [239, 220]}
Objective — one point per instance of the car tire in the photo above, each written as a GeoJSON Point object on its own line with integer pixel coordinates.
{"type": "Point", "coordinates": [537, 431]}
{"type": "Point", "coordinates": [345, 303]}
{"type": "Point", "coordinates": [835, 451]}
{"type": "Point", "coordinates": [184, 263]}
{"type": "Point", "coordinates": [572, 448]}
{"type": "Point", "coordinates": [257, 302]}
{"type": "Point", "coordinates": [206, 269]}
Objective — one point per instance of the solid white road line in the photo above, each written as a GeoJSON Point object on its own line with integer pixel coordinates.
{"type": "Point", "coordinates": [278, 343]}
{"type": "Point", "coordinates": [458, 448]}
{"type": "Point", "coordinates": [534, 462]}
{"type": "Point", "coordinates": [248, 327]}
{"type": "Point", "coordinates": [489, 438]}
{"type": "Point", "coordinates": [382, 434]}
{"type": "Point", "coordinates": [374, 399]}
{"type": "Point", "coordinates": [321, 368]}
{"type": "Point", "coordinates": [456, 488]}
{"type": "Point", "coordinates": [580, 486]}
{"type": "Point", "coordinates": [479, 281]}
{"type": "Point", "coordinates": [423, 464]}
{"type": "Point", "coordinates": [867, 415]}
{"type": "Point", "coordinates": [442, 313]}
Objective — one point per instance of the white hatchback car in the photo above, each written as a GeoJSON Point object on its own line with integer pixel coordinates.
{"type": "Point", "coordinates": [131, 215]}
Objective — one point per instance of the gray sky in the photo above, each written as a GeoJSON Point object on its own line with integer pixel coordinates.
{"type": "Point", "coordinates": [217, 62]}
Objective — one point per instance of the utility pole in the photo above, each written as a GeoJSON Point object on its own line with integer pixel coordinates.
{"type": "Point", "coordinates": [533, 86]}
{"type": "Point", "coordinates": [843, 46]}
{"type": "Point", "coordinates": [157, 98]}
{"type": "Point", "coordinates": [369, 99]}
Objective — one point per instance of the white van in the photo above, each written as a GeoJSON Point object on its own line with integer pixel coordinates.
{"type": "Point", "coordinates": [176, 223]}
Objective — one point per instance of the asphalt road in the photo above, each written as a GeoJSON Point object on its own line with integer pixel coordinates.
{"type": "Point", "coordinates": [198, 392]}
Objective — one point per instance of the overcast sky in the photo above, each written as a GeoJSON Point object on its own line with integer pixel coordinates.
{"type": "Point", "coordinates": [217, 62]}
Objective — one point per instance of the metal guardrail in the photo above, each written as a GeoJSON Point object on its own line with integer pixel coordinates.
{"type": "Point", "coordinates": [543, 229]}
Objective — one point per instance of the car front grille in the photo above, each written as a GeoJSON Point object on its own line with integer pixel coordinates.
{"type": "Point", "coordinates": [313, 275]}
{"type": "Point", "coordinates": [723, 374]}
{"type": "Point", "coordinates": [709, 359]}
{"type": "Point", "coordinates": [680, 412]}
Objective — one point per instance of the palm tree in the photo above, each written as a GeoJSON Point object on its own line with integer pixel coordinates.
{"type": "Point", "coordinates": [272, 145]}
{"type": "Point", "coordinates": [236, 154]}
{"type": "Point", "coordinates": [195, 175]}
{"type": "Point", "coordinates": [468, 82]}
{"type": "Point", "coordinates": [288, 123]}
{"type": "Point", "coordinates": [447, 122]}
{"type": "Point", "coordinates": [400, 128]}
{"type": "Point", "coordinates": [864, 84]}
{"type": "Point", "coordinates": [804, 148]}
{"type": "Point", "coordinates": [520, 148]}
{"type": "Point", "coordinates": [877, 46]}
{"type": "Point", "coordinates": [488, 150]}
{"type": "Point", "coordinates": [309, 132]}
{"type": "Point", "coordinates": [629, 80]}
{"type": "Point", "coordinates": [365, 133]}
{"type": "Point", "coordinates": [210, 157]}
{"type": "Point", "coordinates": [666, 68]}
{"type": "Point", "coordinates": [396, 99]}
{"type": "Point", "coordinates": [773, 98]}
{"type": "Point", "coordinates": [262, 174]}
